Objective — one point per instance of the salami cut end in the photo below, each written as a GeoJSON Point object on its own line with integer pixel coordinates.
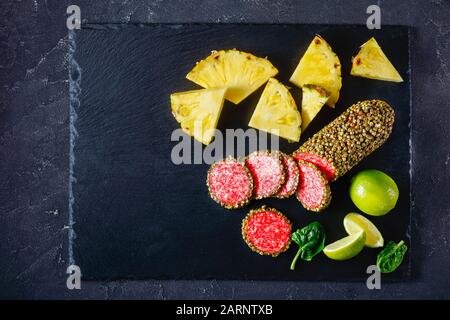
{"type": "Point", "coordinates": [291, 177]}
{"type": "Point", "coordinates": [230, 183]}
{"type": "Point", "coordinates": [267, 231]}
{"type": "Point", "coordinates": [267, 171]}
{"type": "Point", "coordinates": [313, 190]}
{"type": "Point", "coordinates": [321, 163]}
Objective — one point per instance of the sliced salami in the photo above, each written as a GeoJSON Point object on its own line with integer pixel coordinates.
{"type": "Point", "coordinates": [230, 183]}
{"type": "Point", "coordinates": [321, 163]}
{"type": "Point", "coordinates": [267, 231]}
{"type": "Point", "coordinates": [291, 177]}
{"type": "Point", "coordinates": [313, 190]}
{"type": "Point", "coordinates": [267, 171]}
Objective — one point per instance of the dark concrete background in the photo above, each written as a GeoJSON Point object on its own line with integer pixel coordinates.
{"type": "Point", "coordinates": [34, 144]}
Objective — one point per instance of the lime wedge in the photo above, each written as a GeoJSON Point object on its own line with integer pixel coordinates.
{"type": "Point", "coordinates": [354, 223]}
{"type": "Point", "coordinates": [347, 247]}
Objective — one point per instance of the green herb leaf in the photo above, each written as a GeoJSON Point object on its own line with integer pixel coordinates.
{"type": "Point", "coordinates": [391, 257]}
{"type": "Point", "coordinates": [311, 241]}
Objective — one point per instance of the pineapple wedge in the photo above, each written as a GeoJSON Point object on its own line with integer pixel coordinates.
{"type": "Point", "coordinates": [277, 113]}
{"type": "Point", "coordinates": [240, 72]}
{"type": "Point", "coordinates": [320, 66]}
{"type": "Point", "coordinates": [198, 111]}
{"type": "Point", "coordinates": [313, 99]}
{"type": "Point", "coordinates": [372, 63]}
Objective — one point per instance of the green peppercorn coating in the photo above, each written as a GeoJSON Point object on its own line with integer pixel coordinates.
{"type": "Point", "coordinates": [352, 136]}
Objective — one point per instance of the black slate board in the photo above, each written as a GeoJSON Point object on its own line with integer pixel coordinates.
{"type": "Point", "coordinates": [136, 215]}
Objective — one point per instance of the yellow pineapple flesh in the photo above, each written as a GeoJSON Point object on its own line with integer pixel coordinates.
{"type": "Point", "coordinates": [198, 111]}
{"type": "Point", "coordinates": [313, 99]}
{"type": "Point", "coordinates": [240, 72]}
{"type": "Point", "coordinates": [277, 113]}
{"type": "Point", "coordinates": [320, 66]}
{"type": "Point", "coordinates": [372, 63]}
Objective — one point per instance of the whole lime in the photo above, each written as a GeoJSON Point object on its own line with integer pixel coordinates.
{"type": "Point", "coordinates": [374, 192]}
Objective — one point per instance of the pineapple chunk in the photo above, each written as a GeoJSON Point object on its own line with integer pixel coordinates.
{"type": "Point", "coordinates": [372, 63]}
{"type": "Point", "coordinates": [320, 66]}
{"type": "Point", "coordinates": [277, 113]}
{"type": "Point", "coordinates": [313, 99]}
{"type": "Point", "coordinates": [198, 111]}
{"type": "Point", "coordinates": [240, 72]}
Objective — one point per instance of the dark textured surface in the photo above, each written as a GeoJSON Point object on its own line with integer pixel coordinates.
{"type": "Point", "coordinates": [137, 215]}
{"type": "Point", "coordinates": [34, 151]}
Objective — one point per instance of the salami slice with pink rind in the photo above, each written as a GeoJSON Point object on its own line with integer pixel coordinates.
{"type": "Point", "coordinates": [291, 177]}
{"type": "Point", "coordinates": [267, 171]}
{"type": "Point", "coordinates": [230, 183]}
{"type": "Point", "coordinates": [267, 231]}
{"type": "Point", "coordinates": [313, 190]}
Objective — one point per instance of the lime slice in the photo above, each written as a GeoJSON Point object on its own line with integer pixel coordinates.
{"type": "Point", "coordinates": [354, 223]}
{"type": "Point", "coordinates": [347, 247]}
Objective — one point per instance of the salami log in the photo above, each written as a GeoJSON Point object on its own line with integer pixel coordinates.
{"type": "Point", "coordinates": [347, 140]}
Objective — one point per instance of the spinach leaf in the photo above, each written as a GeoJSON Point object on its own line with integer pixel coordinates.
{"type": "Point", "coordinates": [391, 257]}
{"type": "Point", "coordinates": [310, 239]}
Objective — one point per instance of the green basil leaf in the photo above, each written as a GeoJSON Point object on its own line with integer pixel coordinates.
{"type": "Point", "coordinates": [311, 241]}
{"type": "Point", "coordinates": [390, 258]}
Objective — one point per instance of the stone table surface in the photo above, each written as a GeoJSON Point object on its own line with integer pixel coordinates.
{"type": "Point", "coordinates": [34, 147]}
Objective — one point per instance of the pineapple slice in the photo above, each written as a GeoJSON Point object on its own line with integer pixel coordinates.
{"type": "Point", "coordinates": [372, 63]}
{"type": "Point", "coordinates": [320, 66]}
{"type": "Point", "coordinates": [313, 99]}
{"type": "Point", "coordinates": [198, 111]}
{"type": "Point", "coordinates": [277, 113]}
{"type": "Point", "coordinates": [240, 72]}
